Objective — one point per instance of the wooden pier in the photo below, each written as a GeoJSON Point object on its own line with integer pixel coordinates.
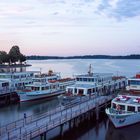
{"type": "Point", "coordinates": [38, 125]}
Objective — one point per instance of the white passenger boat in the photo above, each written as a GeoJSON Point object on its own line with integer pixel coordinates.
{"type": "Point", "coordinates": [96, 83]}
{"type": "Point", "coordinates": [44, 85]}
{"type": "Point", "coordinates": [93, 84]}
{"type": "Point", "coordinates": [125, 109]}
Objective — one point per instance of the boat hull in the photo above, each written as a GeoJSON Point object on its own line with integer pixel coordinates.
{"type": "Point", "coordinates": [24, 97]}
{"type": "Point", "coordinates": [120, 121]}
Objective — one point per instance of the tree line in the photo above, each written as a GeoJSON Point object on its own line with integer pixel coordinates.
{"type": "Point", "coordinates": [36, 57]}
{"type": "Point", "coordinates": [13, 56]}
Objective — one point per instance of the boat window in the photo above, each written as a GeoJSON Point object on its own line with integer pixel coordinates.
{"type": "Point", "coordinates": [54, 86]}
{"type": "Point", "coordinates": [43, 88]}
{"type": "Point", "coordinates": [16, 77]}
{"type": "Point", "coordinates": [89, 91]}
{"type": "Point", "coordinates": [131, 108]}
{"type": "Point", "coordinates": [132, 82]}
{"type": "Point", "coordinates": [5, 84]}
{"type": "Point", "coordinates": [138, 109]}
{"type": "Point", "coordinates": [78, 79]}
{"type": "Point", "coordinates": [88, 79]}
{"type": "Point", "coordinates": [70, 90]}
{"type": "Point", "coordinates": [80, 91]}
{"type": "Point", "coordinates": [36, 80]}
{"type": "Point", "coordinates": [46, 88]}
{"type": "Point", "coordinates": [114, 105]}
{"type": "Point", "coordinates": [84, 79]}
{"type": "Point", "coordinates": [128, 82]}
{"type": "Point", "coordinates": [75, 90]}
{"type": "Point", "coordinates": [122, 107]}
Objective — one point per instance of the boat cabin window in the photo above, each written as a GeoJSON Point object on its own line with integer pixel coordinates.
{"type": "Point", "coordinates": [114, 105]}
{"type": "Point", "coordinates": [138, 109]}
{"type": "Point", "coordinates": [131, 108]}
{"type": "Point", "coordinates": [133, 82]}
{"type": "Point", "coordinates": [16, 77]}
{"type": "Point", "coordinates": [70, 90]}
{"type": "Point", "coordinates": [75, 90]}
{"type": "Point", "coordinates": [46, 88]}
{"type": "Point", "coordinates": [89, 91]}
{"type": "Point", "coordinates": [5, 84]}
{"type": "Point", "coordinates": [81, 91]}
{"type": "Point", "coordinates": [78, 79]}
{"type": "Point", "coordinates": [35, 88]}
{"type": "Point", "coordinates": [85, 79]}
{"type": "Point", "coordinates": [36, 80]}
{"type": "Point", "coordinates": [122, 107]}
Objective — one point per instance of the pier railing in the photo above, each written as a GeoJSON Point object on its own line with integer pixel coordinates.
{"type": "Point", "coordinates": [33, 126]}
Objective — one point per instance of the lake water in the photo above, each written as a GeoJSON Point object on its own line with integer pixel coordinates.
{"type": "Point", "coordinates": [101, 131]}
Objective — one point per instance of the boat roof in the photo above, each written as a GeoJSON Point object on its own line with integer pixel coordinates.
{"type": "Point", "coordinates": [93, 75]}
{"type": "Point", "coordinates": [4, 81]}
{"type": "Point", "coordinates": [16, 73]}
{"type": "Point", "coordinates": [127, 100]}
{"type": "Point", "coordinates": [82, 86]}
{"type": "Point", "coordinates": [136, 79]}
{"type": "Point", "coordinates": [42, 75]}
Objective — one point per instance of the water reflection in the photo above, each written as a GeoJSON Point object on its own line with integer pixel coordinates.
{"type": "Point", "coordinates": [15, 112]}
{"type": "Point", "coordinates": [126, 133]}
{"type": "Point", "coordinates": [86, 130]}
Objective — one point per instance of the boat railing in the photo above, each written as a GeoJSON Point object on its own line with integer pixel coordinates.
{"type": "Point", "coordinates": [16, 125]}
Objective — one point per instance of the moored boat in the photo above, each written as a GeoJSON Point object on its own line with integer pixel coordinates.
{"type": "Point", "coordinates": [44, 86]}
{"type": "Point", "coordinates": [96, 84]}
{"type": "Point", "coordinates": [93, 84]}
{"type": "Point", "coordinates": [125, 109]}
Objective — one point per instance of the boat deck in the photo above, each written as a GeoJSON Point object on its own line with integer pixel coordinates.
{"type": "Point", "coordinates": [127, 99]}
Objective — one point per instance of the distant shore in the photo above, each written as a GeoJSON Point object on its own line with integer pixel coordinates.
{"type": "Point", "coordinates": [36, 57]}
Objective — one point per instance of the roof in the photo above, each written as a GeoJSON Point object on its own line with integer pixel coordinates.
{"type": "Point", "coordinates": [94, 75]}
{"type": "Point", "coordinates": [4, 81]}
{"type": "Point", "coordinates": [118, 77]}
{"type": "Point", "coordinates": [88, 86]}
{"type": "Point", "coordinates": [127, 99]}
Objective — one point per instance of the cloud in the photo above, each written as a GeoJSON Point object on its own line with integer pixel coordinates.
{"type": "Point", "coordinates": [120, 8]}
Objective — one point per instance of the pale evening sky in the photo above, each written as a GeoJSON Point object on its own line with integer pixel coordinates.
{"type": "Point", "coordinates": [70, 27]}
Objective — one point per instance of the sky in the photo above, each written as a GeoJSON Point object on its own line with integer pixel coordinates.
{"type": "Point", "coordinates": [70, 27]}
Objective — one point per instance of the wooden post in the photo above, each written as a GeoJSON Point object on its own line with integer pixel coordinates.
{"type": "Point", "coordinates": [41, 137]}
{"type": "Point", "coordinates": [70, 124]}
{"type": "Point", "coordinates": [61, 130]}
{"type": "Point", "coordinates": [97, 111]}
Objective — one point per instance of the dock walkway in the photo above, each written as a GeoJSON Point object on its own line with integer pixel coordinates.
{"type": "Point", "coordinates": [33, 126]}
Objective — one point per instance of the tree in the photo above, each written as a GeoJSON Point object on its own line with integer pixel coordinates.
{"type": "Point", "coordinates": [22, 58]}
{"type": "Point", "coordinates": [4, 57]}
{"type": "Point", "coordinates": [14, 54]}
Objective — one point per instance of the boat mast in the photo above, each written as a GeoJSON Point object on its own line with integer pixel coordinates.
{"type": "Point", "coordinates": [90, 70]}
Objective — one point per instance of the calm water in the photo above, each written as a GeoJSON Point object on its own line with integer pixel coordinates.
{"type": "Point", "coordinates": [103, 130]}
